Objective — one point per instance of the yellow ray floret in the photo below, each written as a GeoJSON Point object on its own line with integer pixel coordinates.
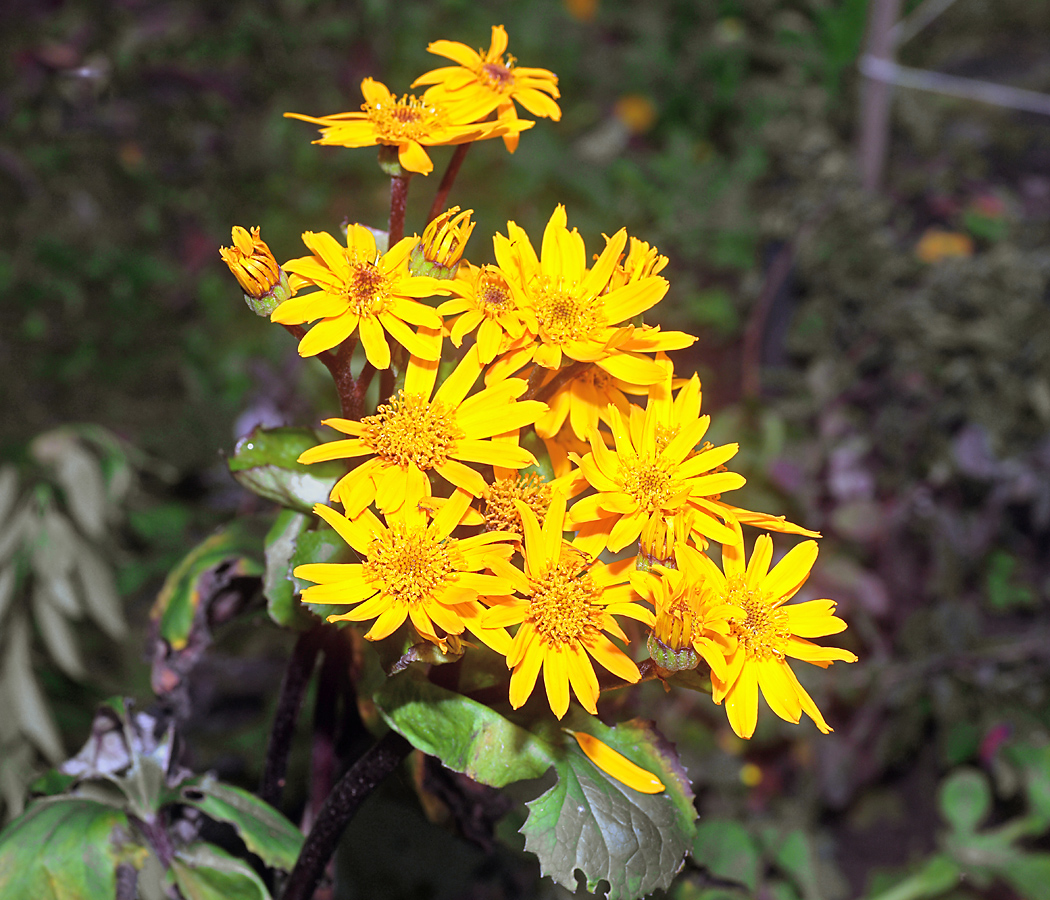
{"type": "Point", "coordinates": [614, 763]}
{"type": "Point", "coordinates": [362, 291]}
{"type": "Point", "coordinates": [421, 430]}
{"type": "Point", "coordinates": [567, 605]}
{"type": "Point", "coordinates": [414, 571]}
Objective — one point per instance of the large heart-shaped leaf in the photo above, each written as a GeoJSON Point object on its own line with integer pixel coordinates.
{"type": "Point", "coordinates": [591, 823]}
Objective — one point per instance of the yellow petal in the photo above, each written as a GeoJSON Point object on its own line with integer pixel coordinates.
{"type": "Point", "coordinates": [617, 765]}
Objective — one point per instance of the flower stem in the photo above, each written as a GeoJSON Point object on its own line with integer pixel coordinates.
{"type": "Point", "coordinates": [398, 201]}
{"type": "Point", "coordinates": [339, 808]}
{"type": "Point", "coordinates": [447, 180]}
{"type": "Point", "coordinates": [293, 687]}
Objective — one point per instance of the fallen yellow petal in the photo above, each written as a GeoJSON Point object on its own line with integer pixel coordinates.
{"type": "Point", "coordinates": [617, 765]}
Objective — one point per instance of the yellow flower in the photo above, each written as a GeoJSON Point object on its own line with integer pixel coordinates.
{"type": "Point", "coordinates": [249, 259]}
{"type": "Point", "coordinates": [568, 308]}
{"type": "Point", "coordinates": [413, 570]}
{"type": "Point", "coordinates": [767, 632]}
{"type": "Point", "coordinates": [568, 602]}
{"type": "Point", "coordinates": [415, 434]}
{"type": "Point", "coordinates": [362, 290]}
{"type": "Point", "coordinates": [440, 249]}
{"type": "Point", "coordinates": [409, 123]}
{"type": "Point", "coordinates": [692, 621]}
{"type": "Point", "coordinates": [481, 84]}
{"type": "Point", "coordinates": [582, 398]}
{"type": "Point", "coordinates": [655, 473]}
{"type": "Point", "coordinates": [482, 300]}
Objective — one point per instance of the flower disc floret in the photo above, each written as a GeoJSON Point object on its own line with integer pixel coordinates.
{"type": "Point", "coordinates": [411, 429]}
{"type": "Point", "coordinates": [563, 604]}
{"type": "Point", "coordinates": [410, 565]}
{"type": "Point", "coordinates": [501, 514]}
{"type": "Point", "coordinates": [762, 630]}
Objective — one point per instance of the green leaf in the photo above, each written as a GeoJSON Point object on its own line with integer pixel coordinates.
{"type": "Point", "coordinates": [1029, 874]}
{"type": "Point", "coordinates": [965, 799]}
{"type": "Point", "coordinates": [727, 851]}
{"type": "Point", "coordinates": [265, 832]}
{"type": "Point", "coordinates": [592, 823]}
{"type": "Point", "coordinates": [279, 588]}
{"type": "Point", "coordinates": [62, 849]}
{"type": "Point", "coordinates": [207, 872]}
{"type": "Point", "coordinates": [793, 854]}
{"type": "Point", "coordinates": [176, 606]}
{"type": "Point", "coordinates": [265, 463]}
{"type": "Point", "coordinates": [1036, 764]}
{"type": "Point", "coordinates": [320, 546]}
{"type": "Point", "coordinates": [938, 874]}
{"type": "Point", "coordinates": [465, 735]}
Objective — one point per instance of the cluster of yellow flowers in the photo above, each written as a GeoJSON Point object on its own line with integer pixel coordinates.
{"type": "Point", "coordinates": [456, 529]}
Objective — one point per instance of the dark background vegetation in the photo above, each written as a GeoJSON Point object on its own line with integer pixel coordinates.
{"type": "Point", "coordinates": [900, 406]}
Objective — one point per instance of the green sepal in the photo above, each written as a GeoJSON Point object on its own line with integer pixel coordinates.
{"type": "Point", "coordinates": [266, 463]}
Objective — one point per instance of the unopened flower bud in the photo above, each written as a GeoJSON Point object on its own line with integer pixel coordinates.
{"type": "Point", "coordinates": [264, 283]}
{"type": "Point", "coordinates": [440, 249]}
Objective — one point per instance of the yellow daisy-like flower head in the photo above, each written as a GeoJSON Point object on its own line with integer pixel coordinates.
{"type": "Point", "coordinates": [440, 249]}
{"type": "Point", "coordinates": [692, 621]}
{"type": "Point", "coordinates": [582, 398]}
{"type": "Point", "coordinates": [482, 300]}
{"type": "Point", "coordinates": [264, 282]}
{"type": "Point", "coordinates": [572, 314]}
{"type": "Point", "coordinates": [767, 632]}
{"type": "Point", "coordinates": [365, 291]}
{"type": "Point", "coordinates": [567, 605]}
{"type": "Point", "coordinates": [660, 470]}
{"type": "Point", "coordinates": [420, 431]}
{"type": "Point", "coordinates": [413, 570]}
{"type": "Point", "coordinates": [409, 123]}
{"type": "Point", "coordinates": [483, 82]}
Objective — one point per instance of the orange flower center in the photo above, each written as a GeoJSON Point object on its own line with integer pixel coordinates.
{"type": "Point", "coordinates": [497, 76]}
{"type": "Point", "coordinates": [500, 512]}
{"type": "Point", "coordinates": [564, 605]}
{"type": "Point", "coordinates": [564, 315]}
{"type": "Point", "coordinates": [762, 628]}
{"type": "Point", "coordinates": [648, 482]}
{"type": "Point", "coordinates": [493, 293]}
{"type": "Point", "coordinates": [409, 566]}
{"type": "Point", "coordinates": [367, 290]}
{"type": "Point", "coordinates": [410, 429]}
{"type": "Point", "coordinates": [406, 119]}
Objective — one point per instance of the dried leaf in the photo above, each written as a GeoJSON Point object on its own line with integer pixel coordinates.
{"type": "Point", "coordinates": [28, 701]}
{"type": "Point", "coordinates": [101, 599]}
{"type": "Point", "coordinates": [57, 633]}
